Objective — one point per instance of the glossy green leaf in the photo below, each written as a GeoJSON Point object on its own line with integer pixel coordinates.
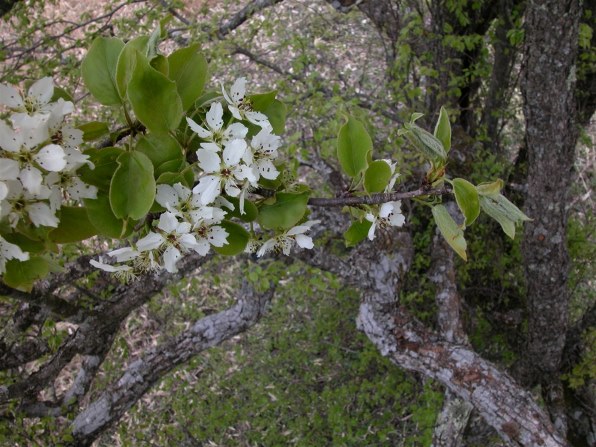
{"type": "Point", "coordinates": [160, 148]}
{"type": "Point", "coordinates": [101, 216]}
{"type": "Point", "coordinates": [21, 275]}
{"type": "Point", "coordinates": [443, 129]}
{"type": "Point", "coordinates": [276, 111]}
{"type": "Point", "coordinates": [127, 61]}
{"type": "Point", "coordinates": [285, 212]}
{"type": "Point", "coordinates": [357, 232]}
{"type": "Point", "coordinates": [154, 98]}
{"type": "Point", "coordinates": [353, 147]}
{"type": "Point", "coordinates": [99, 69]}
{"type": "Point", "coordinates": [188, 69]}
{"type": "Point", "coordinates": [105, 162]}
{"type": "Point", "coordinates": [503, 211]}
{"type": "Point", "coordinates": [237, 239]}
{"type": "Point", "coordinates": [132, 189]}
{"type": "Point", "coordinates": [490, 189]}
{"type": "Point", "coordinates": [449, 229]}
{"type": "Point", "coordinates": [94, 130]}
{"type": "Point", "coordinates": [74, 226]}
{"type": "Point", "coordinates": [377, 176]}
{"type": "Point", "coordinates": [251, 212]}
{"type": "Point", "coordinates": [466, 197]}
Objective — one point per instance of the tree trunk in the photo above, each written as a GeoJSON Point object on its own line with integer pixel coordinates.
{"type": "Point", "coordinates": [548, 87]}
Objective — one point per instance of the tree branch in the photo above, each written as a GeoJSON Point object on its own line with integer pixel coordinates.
{"type": "Point", "coordinates": [376, 199]}
{"type": "Point", "coordinates": [147, 370]}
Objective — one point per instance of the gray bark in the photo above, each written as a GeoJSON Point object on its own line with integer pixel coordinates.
{"type": "Point", "coordinates": [548, 87]}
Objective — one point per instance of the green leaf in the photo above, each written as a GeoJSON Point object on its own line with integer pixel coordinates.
{"type": "Point", "coordinates": [452, 233]}
{"type": "Point", "coordinates": [94, 130]}
{"type": "Point", "coordinates": [490, 189]}
{"type": "Point", "coordinates": [425, 142]}
{"type": "Point", "coordinates": [250, 210]}
{"type": "Point", "coordinates": [285, 212]}
{"type": "Point", "coordinates": [99, 213]}
{"type": "Point", "coordinates": [160, 63]}
{"type": "Point", "coordinates": [443, 129]}
{"type": "Point", "coordinates": [105, 161]}
{"type": "Point", "coordinates": [127, 61]}
{"type": "Point", "coordinates": [132, 189]}
{"type": "Point", "coordinates": [21, 275]}
{"type": "Point", "coordinates": [237, 239]}
{"type": "Point", "coordinates": [276, 112]}
{"type": "Point", "coordinates": [160, 148]}
{"type": "Point", "coordinates": [99, 69]}
{"type": "Point", "coordinates": [154, 98]}
{"type": "Point", "coordinates": [188, 69]}
{"type": "Point", "coordinates": [74, 226]}
{"type": "Point", "coordinates": [357, 232]}
{"type": "Point", "coordinates": [26, 243]}
{"type": "Point", "coordinates": [353, 147]}
{"type": "Point", "coordinates": [503, 211]}
{"type": "Point", "coordinates": [466, 197]}
{"type": "Point", "coordinates": [377, 176]}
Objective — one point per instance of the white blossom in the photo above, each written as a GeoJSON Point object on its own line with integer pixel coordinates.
{"type": "Point", "coordinates": [37, 99]}
{"type": "Point", "coordinates": [222, 172]}
{"type": "Point", "coordinates": [389, 215]}
{"type": "Point", "coordinates": [21, 204]}
{"type": "Point", "coordinates": [240, 106]}
{"type": "Point", "coordinates": [284, 241]}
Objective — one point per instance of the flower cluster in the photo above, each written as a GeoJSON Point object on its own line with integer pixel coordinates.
{"type": "Point", "coordinates": [39, 157]}
{"type": "Point", "coordinates": [186, 226]}
{"type": "Point", "coordinates": [231, 164]}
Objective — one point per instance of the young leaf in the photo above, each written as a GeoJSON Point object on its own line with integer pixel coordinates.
{"type": "Point", "coordinates": [132, 189]}
{"type": "Point", "coordinates": [466, 197]}
{"type": "Point", "coordinates": [237, 239]}
{"type": "Point", "coordinates": [490, 189]}
{"type": "Point", "coordinates": [99, 69]}
{"type": "Point", "coordinates": [425, 142]}
{"type": "Point", "coordinates": [188, 69]}
{"type": "Point", "coordinates": [443, 129]}
{"type": "Point", "coordinates": [154, 98]}
{"type": "Point", "coordinates": [275, 110]}
{"type": "Point", "coordinates": [250, 210]}
{"type": "Point", "coordinates": [377, 176]}
{"type": "Point", "coordinates": [127, 61]}
{"type": "Point", "coordinates": [504, 212]}
{"type": "Point", "coordinates": [353, 147]}
{"type": "Point", "coordinates": [160, 148]}
{"type": "Point", "coordinates": [105, 162]}
{"type": "Point", "coordinates": [356, 233]}
{"type": "Point", "coordinates": [74, 226]}
{"type": "Point", "coordinates": [94, 130]}
{"type": "Point", "coordinates": [99, 213]}
{"type": "Point", "coordinates": [452, 233]}
{"type": "Point", "coordinates": [285, 212]}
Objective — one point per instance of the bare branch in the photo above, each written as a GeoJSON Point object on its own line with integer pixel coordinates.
{"type": "Point", "coordinates": [376, 199]}
{"type": "Point", "coordinates": [147, 370]}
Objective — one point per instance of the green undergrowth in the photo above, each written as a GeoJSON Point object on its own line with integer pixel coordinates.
{"type": "Point", "coordinates": [304, 376]}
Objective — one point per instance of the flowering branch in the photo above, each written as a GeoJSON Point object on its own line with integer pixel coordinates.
{"type": "Point", "coordinates": [376, 199]}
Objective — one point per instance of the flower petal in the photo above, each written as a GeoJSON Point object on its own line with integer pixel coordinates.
{"type": "Point", "coordinates": [199, 130]}
{"type": "Point", "coordinates": [51, 158]}
{"type": "Point", "coordinates": [215, 116]}
{"type": "Point", "coordinates": [208, 161]}
{"type": "Point", "coordinates": [11, 97]}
